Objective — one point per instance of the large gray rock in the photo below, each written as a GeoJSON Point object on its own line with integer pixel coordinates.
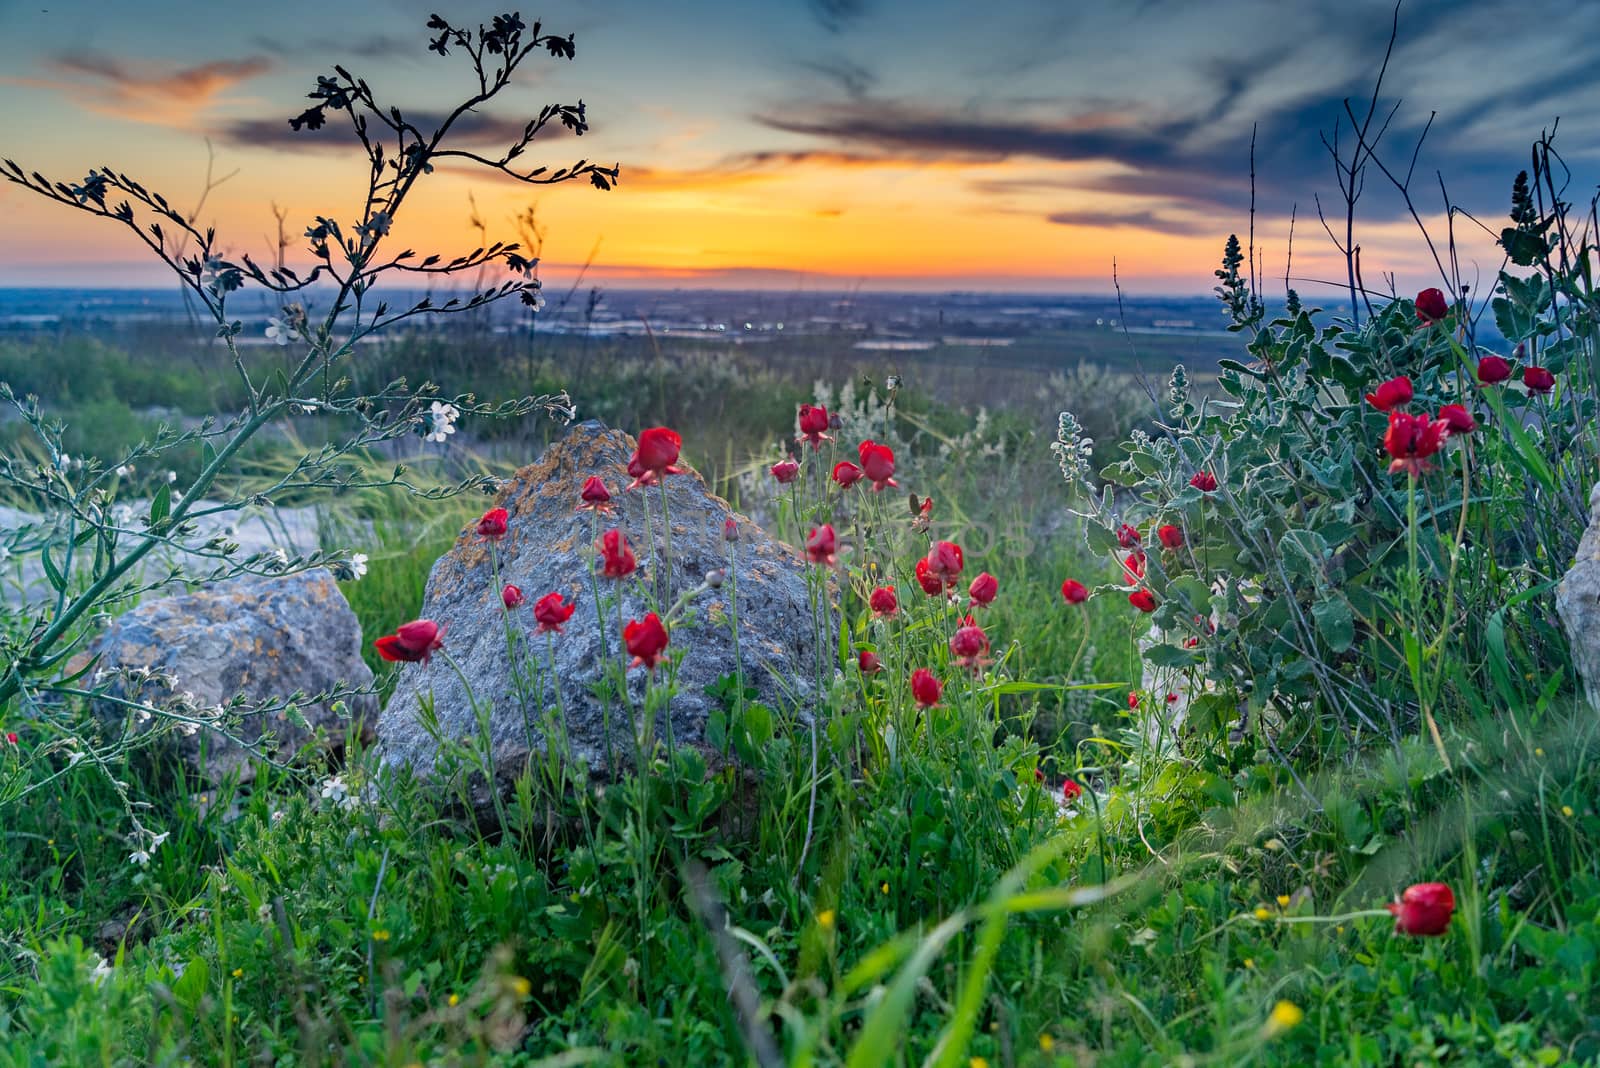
{"type": "Point", "coordinates": [1578, 602]}
{"type": "Point", "coordinates": [265, 638]}
{"type": "Point", "coordinates": [549, 548]}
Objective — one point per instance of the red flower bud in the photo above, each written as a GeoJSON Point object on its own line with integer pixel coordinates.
{"type": "Point", "coordinates": [646, 641]}
{"type": "Point", "coordinates": [1071, 791]}
{"type": "Point", "coordinates": [1538, 380]}
{"type": "Point", "coordinates": [1492, 369]}
{"type": "Point", "coordinates": [616, 558]}
{"type": "Point", "coordinates": [595, 495]}
{"type": "Point", "coordinates": [1171, 536]}
{"type": "Point", "coordinates": [983, 590]}
{"type": "Point", "coordinates": [1133, 699]}
{"type": "Point", "coordinates": [814, 424]}
{"type": "Point", "coordinates": [1143, 600]}
{"type": "Point", "coordinates": [785, 471]}
{"type": "Point", "coordinates": [1424, 909]}
{"type": "Point", "coordinates": [1133, 565]}
{"type": "Point", "coordinates": [11, 737]}
{"type": "Point", "coordinates": [927, 579]}
{"type": "Point", "coordinates": [846, 474]}
{"type": "Point", "coordinates": [925, 688]}
{"type": "Point", "coordinates": [883, 601]}
{"type": "Point", "coordinates": [730, 529]}
{"type": "Point", "coordinates": [968, 646]}
{"type": "Point", "coordinates": [1204, 481]}
{"type": "Point", "coordinates": [1458, 419]}
{"type": "Point", "coordinates": [511, 596]}
{"type": "Point", "coordinates": [1074, 592]}
{"type": "Point", "coordinates": [493, 525]}
{"type": "Point", "coordinates": [1127, 537]}
{"type": "Point", "coordinates": [552, 610]}
{"type": "Point", "coordinates": [412, 642]}
{"type": "Point", "coordinates": [1391, 394]}
{"type": "Point", "coordinates": [868, 662]}
{"type": "Point", "coordinates": [658, 450]}
{"type": "Point", "coordinates": [1431, 306]}
{"type": "Point", "coordinates": [822, 546]}
{"type": "Point", "coordinates": [877, 463]}
{"type": "Point", "coordinates": [945, 562]}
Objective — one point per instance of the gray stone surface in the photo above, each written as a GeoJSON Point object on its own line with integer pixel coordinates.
{"type": "Point", "coordinates": [548, 548]}
{"type": "Point", "coordinates": [264, 638]}
{"type": "Point", "coordinates": [1578, 602]}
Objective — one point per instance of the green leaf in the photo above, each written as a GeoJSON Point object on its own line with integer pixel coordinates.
{"type": "Point", "coordinates": [1170, 656]}
{"type": "Point", "coordinates": [1335, 623]}
{"type": "Point", "coordinates": [160, 506]}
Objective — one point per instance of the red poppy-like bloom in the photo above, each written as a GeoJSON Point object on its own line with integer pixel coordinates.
{"type": "Point", "coordinates": [868, 662]}
{"type": "Point", "coordinates": [846, 474]}
{"type": "Point", "coordinates": [1143, 600]}
{"type": "Point", "coordinates": [1074, 592]}
{"type": "Point", "coordinates": [646, 641]}
{"type": "Point", "coordinates": [925, 688]}
{"type": "Point", "coordinates": [1411, 439]}
{"type": "Point", "coordinates": [883, 602]}
{"type": "Point", "coordinates": [927, 579]}
{"type": "Point", "coordinates": [1127, 537]}
{"type": "Point", "coordinates": [1431, 306]}
{"type": "Point", "coordinates": [1492, 369]}
{"type": "Point", "coordinates": [511, 596]}
{"type": "Point", "coordinates": [1133, 565]}
{"type": "Point", "coordinates": [945, 561]}
{"type": "Point", "coordinates": [1071, 791]}
{"type": "Point", "coordinates": [1538, 380]}
{"type": "Point", "coordinates": [1458, 419]}
{"type": "Point", "coordinates": [493, 525]}
{"type": "Point", "coordinates": [1204, 481]}
{"type": "Point", "coordinates": [968, 646]}
{"type": "Point", "coordinates": [983, 590]}
{"type": "Point", "coordinates": [616, 557]}
{"type": "Point", "coordinates": [656, 455]}
{"type": "Point", "coordinates": [785, 471]}
{"type": "Point", "coordinates": [1391, 394]}
{"type": "Point", "coordinates": [412, 642]}
{"type": "Point", "coordinates": [1171, 536]}
{"type": "Point", "coordinates": [11, 737]}
{"type": "Point", "coordinates": [552, 610]}
{"type": "Point", "coordinates": [814, 424]}
{"type": "Point", "coordinates": [1133, 698]}
{"type": "Point", "coordinates": [1172, 698]}
{"type": "Point", "coordinates": [1424, 909]}
{"type": "Point", "coordinates": [877, 463]}
{"type": "Point", "coordinates": [822, 546]}
{"type": "Point", "coordinates": [594, 495]}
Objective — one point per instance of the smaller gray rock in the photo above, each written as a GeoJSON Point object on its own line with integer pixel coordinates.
{"type": "Point", "coordinates": [1578, 602]}
{"type": "Point", "coordinates": [262, 637]}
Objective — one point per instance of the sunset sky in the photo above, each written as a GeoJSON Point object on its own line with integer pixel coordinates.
{"type": "Point", "coordinates": [814, 144]}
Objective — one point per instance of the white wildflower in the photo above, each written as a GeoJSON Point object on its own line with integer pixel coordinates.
{"type": "Point", "coordinates": [101, 971]}
{"type": "Point", "coordinates": [440, 421]}
{"type": "Point", "coordinates": [140, 856]}
{"type": "Point", "coordinates": [280, 332]}
{"type": "Point", "coordinates": [358, 565]}
{"type": "Point", "coordinates": [338, 792]}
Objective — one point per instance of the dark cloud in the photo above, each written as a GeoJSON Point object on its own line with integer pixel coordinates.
{"type": "Point", "coordinates": [472, 130]}
{"type": "Point", "coordinates": [834, 14]}
{"type": "Point", "coordinates": [852, 79]}
{"type": "Point", "coordinates": [1132, 220]}
{"type": "Point", "coordinates": [370, 47]}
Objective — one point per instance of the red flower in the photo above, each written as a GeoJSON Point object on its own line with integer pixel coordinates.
{"type": "Point", "coordinates": [646, 641]}
{"type": "Point", "coordinates": [616, 558]}
{"type": "Point", "coordinates": [1411, 439]}
{"type": "Point", "coordinates": [945, 562]}
{"type": "Point", "coordinates": [925, 688]}
{"type": "Point", "coordinates": [868, 662]}
{"type": "Point", "coordinates": [921, 516]}
{"type": "Point", "coordinates": [1391, 394]}
{"type": "Point", "coordinates": [877, 462]}
{"type": "Point", "coordinates": [1143, 600]}
{"type": "Point", "coordinates": [1424, 909]}
{"type": "Point", "coordinates": [594, 495]}
{"type": "Point", "coordinates": [1127, 537]}
{"type": "Point", "coordinates": [1071, 791]}
{"type": "Point", "coordinates": [785, 471]}
{"type": "Point", "coordinates": [1431, 306]}
{"type": "Point", "coordinates": [968, 646]}
{"type": "Point", "coordinates": [1172, 698]}
{"type": "Point", "coordinates": [883, 602]}
{"type": "Point", "coordinates": [1492, 369]}
{"type": "Point", "coordinates": [412, 642]}
{"type": "Point", "coordinates": [927, 579]}
{"type": "Point", "coordinates": [492, 527]}
{"type": "Point", "coordinates": [511, 596]}
{"type": "Point", "coordinates": [983, 590]}
{"type": "Point", "coordinates": [1171, 536]}
{"type": "Point", "coordinates": [822, 546]}
{"type": "Point", "coordinates": [814, 424]}
{"type": "Point", "coordinates": [1538, 380]}
{"type": "Point", "coordinates": [1074, 592]}
{"type": "Point", "coordinates": [1133, 699]}
{"type": "Point", "coordinates": [11, 737]}
{"type": "Point", "coordinates": [1458, 419]}
{"type": "Point", "coordinates": [1133, 565]}
{"type": "Point", "coordinates": [1204, 481]}
{"type": "Point", "coordinates": [846, 474]}
{"type": "Point", "coordinates": [552, 610]}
